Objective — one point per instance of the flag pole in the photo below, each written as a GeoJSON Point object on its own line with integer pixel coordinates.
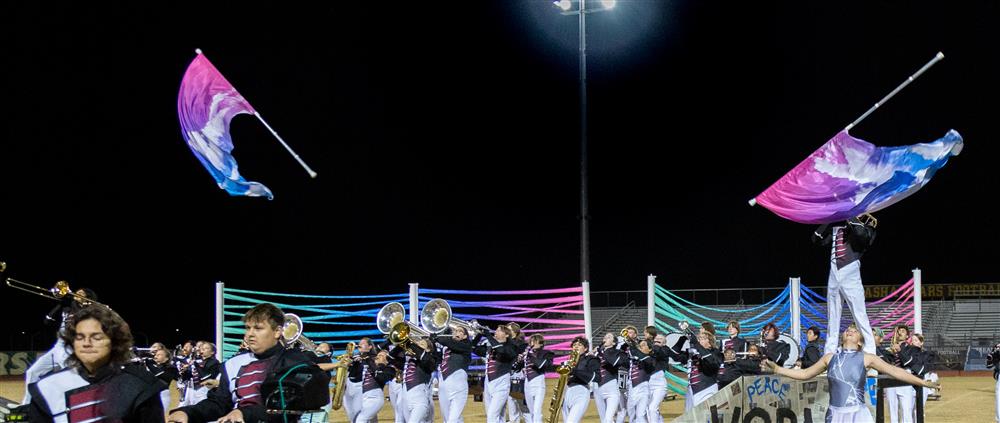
{"type": "Point", "coordinates": [290, 151]}
{"type": "Point", "coordinates": [937, 58]}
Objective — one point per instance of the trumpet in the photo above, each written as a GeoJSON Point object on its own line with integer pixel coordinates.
{"type": "Point", "coordinates": [436, 317]}
{"type": "Point", "coordinates": [291, 331]}
{"type": "Point", "coordinates": [58, 292]}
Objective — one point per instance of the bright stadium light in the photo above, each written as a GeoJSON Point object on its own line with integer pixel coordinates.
{"type": "Point", "coordinates": [565, 5]}
{"type": "Point", "coordinates": [608, 4]}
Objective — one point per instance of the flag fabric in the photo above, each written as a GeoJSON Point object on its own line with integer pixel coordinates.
{"type": "Point", "coordinates": [848, 177]}
{"type": "Point", "coordinates": [207, 102]}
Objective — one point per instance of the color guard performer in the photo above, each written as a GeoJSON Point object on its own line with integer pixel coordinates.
{"type": "Point", "coordinates": [847, 242]}
{"type": "Point", "coordinates": [848, 378]}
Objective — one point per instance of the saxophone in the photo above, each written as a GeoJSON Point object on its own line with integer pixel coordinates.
{"type": "Point", "coordinates": [343, 361]}
{"type": "Point", "coordinates": [557, 395]}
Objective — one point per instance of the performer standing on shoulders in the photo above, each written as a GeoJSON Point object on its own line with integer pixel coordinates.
{"type": "Point", "coordinates": [100, 382]}
{"type": "Point", "coordinates": [847, 242]}
{"type": "Point", "coordinates": [847, 377]}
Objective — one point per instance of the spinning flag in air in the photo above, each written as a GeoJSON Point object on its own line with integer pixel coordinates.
{"type": "Point", "coordinates": [848, 177]}
{"type": "Point", "coordinates": [205, 106]}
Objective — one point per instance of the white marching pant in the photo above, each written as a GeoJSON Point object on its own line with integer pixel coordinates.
{"type": "Point", "coordinates": [638, 403]}
{"type": "Point", "coordinates": [417, 406]}
{"type": "Point", "coordinates": [165, 399]}
{"type": "Point", "coordinates": [657, 390]}
{"type": "Point", "coordinates": [703, 395]}
{"type": "Point", "coordinates": [53, 359]}
{"type": "Point", "coordinates": [901, 406]}
{"type": "Point", "coordinates": [534, 395]}
{"type": "Point", "coordinates": [607, 397]}
{"type": "Point", "coordinates": [514, 413]}
{"type": "Point", "coordinates": [352, 399]}
{"type": "Point", "coordinates": [495, 393]}
{"type": "Point", "coordinates": [453, 392]}
{"type": "Point", "coordinates": [622, 406]}
{"type": "Point", "coordinates": [996, 394]}
{"type": "Point", "coordinates": [844, 284]}
{"type": "Point", "coordinates": [575, 402]}
{"type": "Point", "coordinates": [397, 401]}
{"type": "Point", "coordinates": [194, 394]}
{"type": "Point", "coordinates": [371, 402]}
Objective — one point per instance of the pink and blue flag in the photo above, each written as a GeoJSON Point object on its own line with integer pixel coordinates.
{"type": "Point", "coordinates": [207, 102]}
{"type": "Point", "coordinates": [848, 177]}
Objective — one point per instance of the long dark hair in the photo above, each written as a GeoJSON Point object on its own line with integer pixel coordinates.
{"type": "Point", "coordinates": [113, 326]}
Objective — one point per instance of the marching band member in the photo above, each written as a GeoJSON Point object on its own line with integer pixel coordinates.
{"type": "Point", "coordinates": [847, 377]}
{"type": "Point", "coordinates": [516, 407]}
{"type": "Point", "coordinates": [376, 372]}
{"type": "Point", "coordinates": [657, 380]}
{"type": "Point", "coordinates": [453, 379]}
{"type": "Point", "coordinates": [993, 362]}
{"type": "Point", "coordinates": [847, 242]}
{"type": "Point", "coordinates": [703, 361]}
{"type": "Point", "coordinates": [774, 350]}
{"type": "Point", "coordinates": [738, 344]}
{"type": "Point", "coordinates": [201, 374]}
{"type": "Point", "coordinates": [535, 361]}
{"type": "Point", "coordinates": [100, 383]}
{"type": "Point", "coordinates": [396, 399]}
{"type": "Point", "coordinates": [814, 348]}
{"type": "Point", "coordinates": [240, 396]}
{"type": "Point", "coordinates": [420, 363]}
{"type": "Point", "coordinates": [577, 395]}
{"type": "Point", "coordinates": [631, 338]}
{"type": "Point", "coordinates": [899, 397]}
{"type": "Point", "coordinates": [917, 361]}
{"type": "Point", "coordinates": [641, 365]}
{"type": "Point", "coordinates": [500, 356]}
{"type": "Point", "coordinates": [55, 358]}
{"type": "Point", "coordinates": [354, 391]}
{"type": "Point", "coordinates": [607, 395]}
{"type": "Point", "coordinates": [162, 368]}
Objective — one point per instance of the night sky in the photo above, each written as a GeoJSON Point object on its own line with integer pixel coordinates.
{"type": "Point", "coordinates": [446, 138]}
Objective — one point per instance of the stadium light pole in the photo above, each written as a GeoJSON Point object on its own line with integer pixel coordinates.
{"type": "Point", "coordinates": [566, 8]}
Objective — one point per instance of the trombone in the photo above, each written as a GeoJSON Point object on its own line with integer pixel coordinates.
{"type": "Point", "coordinates": [58, 292]}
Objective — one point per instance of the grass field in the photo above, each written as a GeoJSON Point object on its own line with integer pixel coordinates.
{"type": "Point", "coordinates": [966, 399]}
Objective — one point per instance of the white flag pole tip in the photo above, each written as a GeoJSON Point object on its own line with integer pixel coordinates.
{"type": "Point", "coordinates": [940, 55]}
{"type": "Point", "coordinates": [198, 51]}
{"type": "Point", "coordinates": [752, 202]}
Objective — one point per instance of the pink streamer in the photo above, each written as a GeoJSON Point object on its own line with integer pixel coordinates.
{"type": "Point", "coordinates": [906, 285]}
